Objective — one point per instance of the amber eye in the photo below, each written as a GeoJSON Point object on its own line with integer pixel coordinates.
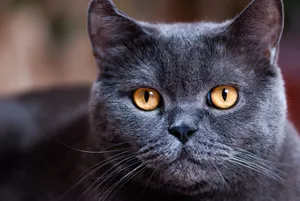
{"type": "Point", "coordinates": [223, 97]}
{"type": "Point", "coordinates": [146, 99]}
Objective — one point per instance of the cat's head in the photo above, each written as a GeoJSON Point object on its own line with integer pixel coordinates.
{"type": "Point", "coordinates": [192, 102]}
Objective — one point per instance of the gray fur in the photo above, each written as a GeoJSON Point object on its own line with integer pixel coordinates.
{"type": "Point", "coordinates": [183, 62]}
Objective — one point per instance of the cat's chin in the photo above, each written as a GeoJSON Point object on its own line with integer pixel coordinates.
{"type": "Point", "coordinates": [199, 188]}
{"type": "Point", "coordinates": [189, 176]}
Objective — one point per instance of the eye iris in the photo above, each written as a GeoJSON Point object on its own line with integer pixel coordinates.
{"type": "Point", "coordinates": [223, 97]}
{"type": "Point", "coordinates": [225, 94]}
{"type": "Point", "coordinates": [146, 99]}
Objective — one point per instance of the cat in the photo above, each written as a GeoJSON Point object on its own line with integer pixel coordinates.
{"type": "Point", "coordinates": [184, 111]}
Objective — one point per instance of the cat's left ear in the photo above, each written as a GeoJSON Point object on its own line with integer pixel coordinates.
{"type": "Point", "coordinates": [261, 23]}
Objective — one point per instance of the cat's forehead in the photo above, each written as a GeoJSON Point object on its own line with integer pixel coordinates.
{"type": "Point", "coordinates": [192, 68]}
{"type": "Point", "coordinates": [189, 30]}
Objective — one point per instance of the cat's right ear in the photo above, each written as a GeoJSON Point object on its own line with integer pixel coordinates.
{"type": "Point", "coordinates": [108, 27]}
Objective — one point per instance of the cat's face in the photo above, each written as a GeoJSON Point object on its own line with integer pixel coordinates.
{"type": "Point", "coordinates": [193, 142]}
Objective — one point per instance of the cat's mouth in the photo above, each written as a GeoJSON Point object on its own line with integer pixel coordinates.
{"type": "Point", "coordinates": [185, 164]}
{"type": "Point", "coordinates": [184, 157]}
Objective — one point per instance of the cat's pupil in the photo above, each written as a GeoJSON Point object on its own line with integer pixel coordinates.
{"type": "Point", "coordinates": [224, 94]}
{"type": "Point", "coordinates": [147, 96]}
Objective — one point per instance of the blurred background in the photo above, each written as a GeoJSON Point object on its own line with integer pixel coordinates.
{"type": "Point", "coordinates": [43, 43]}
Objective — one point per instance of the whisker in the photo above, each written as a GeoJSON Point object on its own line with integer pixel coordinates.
{"type": "Point", "coordinates": [262, 163]}
{"type": "Point", "coordinates": [262, 168]}
{"type": "Point", "coordinates": [131, 157]}
{"type": "Point", "coordinates": [148, 182]}
{"type": "Point", "coordinates": [257, 168]}
{"type": "Point", "coordinates": [92, 170]}
{"type": "Point", "coordinates": [167, 181]}
{"type": "Point", "coordinates": [228, 180]}
{"type": "Point", "coordinates": [128, 179]}
{"type": "Point", "coordinates": [247, 166]}
{"type": "Point", "coordinates": [248, 156]}
{"type": "Point", "coordinates": [90, 152]}
{"type": "Point", "coordinates": [160, 178]}
{"type": "Point", "coordinates": [222, 176]}
{"type": "Point", "coordinates": [106, 194]}
{"type": "Point", "coordinates": [256, 157]}
{"type": "Point", "coordinates": [113, 174]}
{"type": "Point", "coordinates": [116, 144]}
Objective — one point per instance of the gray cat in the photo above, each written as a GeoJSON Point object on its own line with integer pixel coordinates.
{"type": "Point", "coordinates": [181, 112]}
{"type": "Point", "coordinates": [200, 107]}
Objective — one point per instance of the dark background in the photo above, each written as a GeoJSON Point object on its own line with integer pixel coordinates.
{"type": "Point", "coordinates": [43, 43]}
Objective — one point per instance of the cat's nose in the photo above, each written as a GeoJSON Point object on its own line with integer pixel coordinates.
{"type": "Point", "coordinates": [182, 132]}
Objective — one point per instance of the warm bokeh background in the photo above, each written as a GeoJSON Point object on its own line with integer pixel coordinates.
{"type": "Point", "coordinates": [43, 43]}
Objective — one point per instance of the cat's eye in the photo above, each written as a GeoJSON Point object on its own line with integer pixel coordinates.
{"type": "Point", "coordinates": [146, 99]}
{"type": "Point", "coordinates": [223, 97]}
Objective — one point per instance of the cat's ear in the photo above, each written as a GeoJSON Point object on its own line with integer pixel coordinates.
{"type": "Point", "coordinates": [108, 27]}
{"type": "Point", "coordinates": [262, 23]}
